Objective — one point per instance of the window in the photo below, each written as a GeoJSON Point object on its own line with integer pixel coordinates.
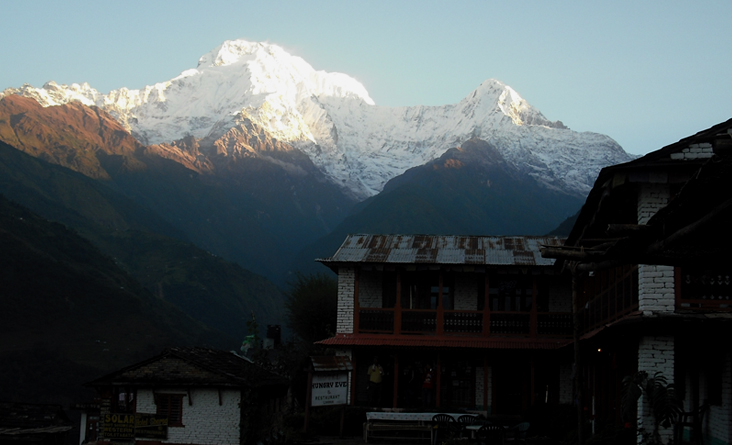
{"type": "Point", "coordinates": [123, 400]}
{"type": "Point", "coordinates": [170, 406]}
{"type": "Point", "coordinates": [510, 294]}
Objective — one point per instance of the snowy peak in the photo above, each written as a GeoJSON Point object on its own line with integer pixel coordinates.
{"type": "Point", "coordinates": [331, 118]}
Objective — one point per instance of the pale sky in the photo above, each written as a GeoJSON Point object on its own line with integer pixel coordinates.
{"type": "Point", "coordinates": [646, 73]}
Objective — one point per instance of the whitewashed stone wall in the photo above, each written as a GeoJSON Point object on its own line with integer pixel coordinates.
{"type": "Point", "coordinates": [695, 151]}
{"type": "Point", "coordinates": [205, 421]}
{"type": "Point", "coordinates": [651, 198]}
{"type": "Point", "coordinates": [370, 289]}
{"type": "Point", "coordinates": [719, 418]}
{"type": "Point", "coordinates": [655, 354]}
{"type": "Point", "coordinates": [346, 288]}
{"type": "Point", "coordinates": [656, 289]}
{"type": "Point", "coordinates": [479, 373]}
{"type": "Point", "coordinates": [566, 385]}
{"type": "Point", "coordinates": [466, 293]}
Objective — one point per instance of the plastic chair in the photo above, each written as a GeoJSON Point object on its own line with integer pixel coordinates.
{"type": "Point", "coordinates": [490, 434]}
{"type": "Point", "coordinates": [443, 425]}
{"type": "Point", "coordinates": [465, 420]}
{"type": "Point", "coordinates": [518, 432]}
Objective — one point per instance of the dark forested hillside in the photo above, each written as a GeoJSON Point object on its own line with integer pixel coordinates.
{"type": "Point", "coordinates": [204, 286]}
{"type": "Point", "coordinates": [470, 190]}
{"type": "Point", "coordinates": [70, 313]}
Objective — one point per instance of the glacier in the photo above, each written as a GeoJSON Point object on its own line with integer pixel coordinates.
{"type": "Point", "coordinates": [330, 117]}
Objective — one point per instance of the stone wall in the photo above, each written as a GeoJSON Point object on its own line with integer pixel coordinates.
{"type": "Point", "coordinates": [656, 289]}
{"type": "Point", "coordinates": [655, 355]}
{"type": "Point", "coordinates": [204, 420]}
{"type": "Point", "coordinates": [694, 151]}
{"type": "Point", "coordinates": [346, 288]}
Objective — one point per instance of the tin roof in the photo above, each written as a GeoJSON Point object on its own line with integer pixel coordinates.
{"type": "Point", "coordinates": [426, 341]}
{"type": "Point", "coordinates": [439, 249]}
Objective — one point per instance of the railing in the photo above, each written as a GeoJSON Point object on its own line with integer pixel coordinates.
{"type": "Point", "coordinates": [704, 290]}
{"type": "Point", "coordinates": [618, 296]}
{"type": "Point", "coordinates": [376, 320]}
{"type": "Point", "coordinates": [421, 321]}
{"type": "Point", "coordinates": [510, 323]}
{"type": "Point", "coordinates": [467, 322]}
{"type": "Point", "coordinates": [554, 324]}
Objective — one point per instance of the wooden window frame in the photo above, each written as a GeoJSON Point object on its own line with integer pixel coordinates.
{"type": "Point", "coordinates": [164, 407]}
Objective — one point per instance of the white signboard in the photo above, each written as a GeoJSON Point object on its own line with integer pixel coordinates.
{"type": "Point", "coordinates": [330, 389]}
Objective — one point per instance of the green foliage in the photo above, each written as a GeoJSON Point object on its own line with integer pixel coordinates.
{"type": "Point", "coordinates": [312, 306]}
{"type": "Point", "coordinates": [662, 400]}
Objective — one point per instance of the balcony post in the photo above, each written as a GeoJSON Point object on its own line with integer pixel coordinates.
{"type": "Point", "coordinates": [398, 305]}
{"type": "Point", "coordinates": [533, 318]}
{"type": "Point", "coordinates": [440, 328]}
{"type": "Point", "coordinates": [486, 308]}
{"type": "Point", "coordinates": [356, 309]}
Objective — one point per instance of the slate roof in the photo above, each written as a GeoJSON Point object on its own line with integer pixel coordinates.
{"type": "Point", "coordinates": [193, 367]}
{"type": "Point", "coordinates": [439, 249]}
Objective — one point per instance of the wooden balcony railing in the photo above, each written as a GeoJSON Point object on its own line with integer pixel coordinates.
{"type": "Point", "coordinates": [617, 296]}
{"type": "Point", "coordinates": [421, 321]}
{"type": "Point", "coordinates": [703, 290]}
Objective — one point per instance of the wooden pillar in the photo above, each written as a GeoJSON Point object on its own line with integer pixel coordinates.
{"type": "Point", "coordinates": [354, 377]}
{"type": "Point", "coordinates": [395, 399]}
{"type": "Point", "coordinates": [440, 313]}
{"type": "Point", "coordinates": [532, 399]}
{"type": "Point", "coordinates": [486, 308]}
{"type": "Point", "coordinates": [398, 305]}
{"type": "Point", "coordinates": [438, 380]}
{"type": "Point", "coordinates": [356, 309]}
{"type": "Point", "coordinates": [533, 318]}
{"type": "Point", "coordinates": [485, 382]}
{"type": "Point", "coordinates": [577, 356]}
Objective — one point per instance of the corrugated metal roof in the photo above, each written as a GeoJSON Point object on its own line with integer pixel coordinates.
{"type": "Point", "coordinates": [436, 249]}
{"type": "Point", "coordinates": [425, 341]}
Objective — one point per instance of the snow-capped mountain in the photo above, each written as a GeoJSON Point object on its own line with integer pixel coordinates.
{"type": "Point", "coordinates": [331, 118]}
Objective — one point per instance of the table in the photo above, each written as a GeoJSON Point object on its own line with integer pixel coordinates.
{"type": "Point", "coordinates": [385, 421]}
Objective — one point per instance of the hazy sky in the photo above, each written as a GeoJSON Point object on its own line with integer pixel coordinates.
{"type": "Point", "coordinates": [646, 73]}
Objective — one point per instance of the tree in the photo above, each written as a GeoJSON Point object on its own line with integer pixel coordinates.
{"type": "Point", "coordinates": [312, 306]}
{"type": "Point", "coordinates": [662, 400]}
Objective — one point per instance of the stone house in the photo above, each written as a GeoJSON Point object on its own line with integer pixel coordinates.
{"type": "Point", "coordinates": [190, 396]}
{"type": "Point", "coordinates": [488, 315]}
{"type": "Point", "coordinates": [651, 255]}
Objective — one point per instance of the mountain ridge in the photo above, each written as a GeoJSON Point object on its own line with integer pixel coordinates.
{"type": "Point", "coordinates": [330, 117]}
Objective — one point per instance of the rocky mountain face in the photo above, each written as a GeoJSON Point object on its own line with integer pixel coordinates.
{"type": "Point", "coordinates": [242, 194]}
{"type": "Point", "coordinates": [330, 117]}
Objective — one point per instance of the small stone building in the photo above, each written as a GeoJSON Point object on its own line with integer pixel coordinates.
{"type": "Point", "coordinates": [190, 396]}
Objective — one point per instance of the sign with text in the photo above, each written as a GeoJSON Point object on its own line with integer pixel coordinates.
{"type": "Point", "coordinates": [330, 389]}
{"type": "Point", "coordinates": [129, 426]}
{"type": "Point", "coordinates": [151, 426]}
{"type": "Point", "coordinates": [118, 426]}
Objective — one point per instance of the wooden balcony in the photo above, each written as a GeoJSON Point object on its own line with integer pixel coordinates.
{"type": "Point", "coordinates": [470, 323]}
